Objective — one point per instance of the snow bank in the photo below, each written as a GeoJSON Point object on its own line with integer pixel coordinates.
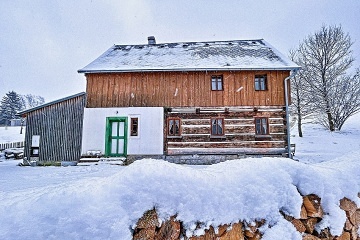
{"type": "Point", "coordinates": [319, 145]}
{"type": "Point", "coordinates": [104, 201]}
{"type": "Point", "coordinates": [106, 207]}
{"type": "Point", "coordinates": [11, 134]}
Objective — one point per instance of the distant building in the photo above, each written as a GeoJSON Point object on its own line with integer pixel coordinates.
{"type": "Point", "coordinates": [17, 122]}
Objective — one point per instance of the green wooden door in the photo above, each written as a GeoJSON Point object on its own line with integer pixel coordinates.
{"type": "Point", "coordinates": [116, 137]}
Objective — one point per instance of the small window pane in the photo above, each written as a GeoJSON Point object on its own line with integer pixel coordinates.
{"type": "Point", "coordinates": [121, 129]}
{"type": "Point", "coordinates": [264, 126]}
{"type": "Point", "coordinates": [114, 143]}
{"type": "Point", "coordinates": [219, 87]}
{"type": "Point", "coordinates": [213, 127]}
{"type": "Point", "coordinates": [258, 126]}
{"type": "Point", "coordinates": [177, 127]}
{"type": "Point", "coordinates": [114, 129]}
{"type": "Point", "coordinates": [120, 146]}
{"type": "Point", "coordinates": [219, 127]}
{"type": "Point", "coordinates": [171, 127]}
{"type": "Point", "coordinates": [257, 84]}
{"type": "Point", "coordinates": [213, 84]}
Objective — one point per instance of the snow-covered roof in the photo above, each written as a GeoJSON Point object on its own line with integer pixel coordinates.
{"type": "Point", "coordinates": [191, 56]}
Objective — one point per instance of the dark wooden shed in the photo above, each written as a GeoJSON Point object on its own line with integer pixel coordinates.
{"type": "Point", "coordinates": [54, 130]}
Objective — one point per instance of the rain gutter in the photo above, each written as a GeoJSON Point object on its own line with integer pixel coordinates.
{"type": "Point", "coordinates": [293, 72]}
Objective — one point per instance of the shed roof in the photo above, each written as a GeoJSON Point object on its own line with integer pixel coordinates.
{"type": "Point", "coordinates": [191, 56]}
{"type": "Point", "coordinates": [25, 112]}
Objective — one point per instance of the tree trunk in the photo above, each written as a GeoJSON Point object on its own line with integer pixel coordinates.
{"type": "Point", "coordinates": [299, 126]}
{"type": "Point", "coordinates": [299, 115]}
{"type": "Point", "coordinates": [331, 120]}
{"type": "Point", "coordinates": [327, 104]}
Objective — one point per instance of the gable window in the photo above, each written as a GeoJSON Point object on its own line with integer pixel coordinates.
{"type": "Point", "coordinates": [134, 126]}
{"type": "Point", "coordinates": [174, 127]}
{"type": "Point", "coordinates": [261, 126]}
{"type": "Point", "coordinates": [260, 82]}
{"type": "Point", "coordinates": [217, 83]}
{"type": "Point", "coordinates": [217, 126]}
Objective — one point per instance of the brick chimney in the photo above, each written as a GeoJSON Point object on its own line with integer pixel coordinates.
{"type": "Point", "coordinates": [151, 40]}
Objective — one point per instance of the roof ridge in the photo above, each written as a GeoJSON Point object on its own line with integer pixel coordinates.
{"type": "Point", "coordinates": [191, 42]}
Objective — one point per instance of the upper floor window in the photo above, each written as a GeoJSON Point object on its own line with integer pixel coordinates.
{"type": "Point", "coordinates": [134, 126]}
{"type": "Point", "coordinates": [217, 83]}
{"type": "Point", "coordinates": [174, 127]}
{"type": "Point", "coordinates": [260, 82]}
{"type": "Point", "coordinates": [217, 126]}
{"type": "Point", "coordinates": [261, 126]}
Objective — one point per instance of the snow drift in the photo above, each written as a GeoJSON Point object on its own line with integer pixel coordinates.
{"type": "Point", "coordinates": [107, 207]}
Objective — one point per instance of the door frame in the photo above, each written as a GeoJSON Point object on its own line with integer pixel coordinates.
{"type": "Point", "coordinates": [108, 132]}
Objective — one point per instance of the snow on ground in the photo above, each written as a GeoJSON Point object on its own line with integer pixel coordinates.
{"type": "Point", "coordinates": [11, 134]}
{"type": "Point", "coordinates": [319, 145]}
{"type": "Point", "coordinates": [104, 201]}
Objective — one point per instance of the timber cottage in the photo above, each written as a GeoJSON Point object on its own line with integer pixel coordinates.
{"type": "Point", "coordinates": [190, 100]}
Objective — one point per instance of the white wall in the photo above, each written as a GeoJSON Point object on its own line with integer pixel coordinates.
{"type": "Point", "coordinates": [149, 141]}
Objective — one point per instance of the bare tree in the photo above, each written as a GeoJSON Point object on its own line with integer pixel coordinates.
{"type": "Point", "coordinates": [30, 100]}
{"type": "Point", "coordinates": [325, 57]}
{"type": "Point", "coordinates": [345, 100]}
{"type": "Point", "coordinates": [301, 104]}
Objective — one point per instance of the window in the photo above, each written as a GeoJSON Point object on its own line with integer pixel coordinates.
{"type": "Point", "coordinates": [261, 126]}
{"type": "Point", "coordinates": [217, 126]}
{"type": "Point", "coordinates": [260, 82]}
{"type": "Point", "coordinates": [174, 127]}
{"type": "Point", "coordinates": [217, 83]}
{"type": "Point", "coordinates": [134, 126]}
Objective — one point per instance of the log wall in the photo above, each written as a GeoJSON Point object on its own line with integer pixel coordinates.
{"type": "Point", "coordinates": [239, 132]}
{"type": "Point", "coordinates": [182, 89]}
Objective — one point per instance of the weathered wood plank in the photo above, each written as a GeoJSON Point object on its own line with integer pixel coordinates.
{"type": "Point", "coordinates": [194, 89]}
{"type": "Point", "coordinates": [60, 129]}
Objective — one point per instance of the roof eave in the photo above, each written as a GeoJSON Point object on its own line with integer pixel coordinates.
{"type": "Point", "coordinates": [191, 69]}
{"type": "Point", "coordinates": [25, 112]}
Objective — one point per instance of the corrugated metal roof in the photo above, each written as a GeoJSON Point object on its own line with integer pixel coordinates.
{"type": "Point", "coordinates": [49, 104]}
{"type": "Point", "coordinates": [191, 56]}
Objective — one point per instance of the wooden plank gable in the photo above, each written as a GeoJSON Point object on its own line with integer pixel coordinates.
{"type": "Point", "coordinates": [183, 89]}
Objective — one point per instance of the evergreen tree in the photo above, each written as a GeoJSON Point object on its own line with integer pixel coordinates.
{"type": "Point", "coordinates": [10, 104]}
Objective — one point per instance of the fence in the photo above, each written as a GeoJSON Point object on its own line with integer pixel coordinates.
{"type": "Point", "coordinates": [12, 145]}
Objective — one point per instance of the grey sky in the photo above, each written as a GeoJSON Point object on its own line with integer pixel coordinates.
{"type": "Point", "coordinates": [44, 42]}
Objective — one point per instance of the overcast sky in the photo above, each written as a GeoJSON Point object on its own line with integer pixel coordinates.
{"type": "Point", "coordinates": [44, 42]}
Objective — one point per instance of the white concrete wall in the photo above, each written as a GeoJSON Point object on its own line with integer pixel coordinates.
{"type": "Point", "coordinates": [149, 141]}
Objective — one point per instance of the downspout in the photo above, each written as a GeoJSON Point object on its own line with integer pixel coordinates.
{"type": "Point", "coordinates": [293, 72]}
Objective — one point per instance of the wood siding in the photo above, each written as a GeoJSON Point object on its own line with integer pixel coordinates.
{"type": "Point", "coordinates": [60, 129]}
{"type": "Point", "coordinates": [183, 89]}
{"type": "Point", "coordinates": [239, 133]}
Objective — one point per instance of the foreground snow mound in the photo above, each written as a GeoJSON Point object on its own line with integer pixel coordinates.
{"type": "Point", "coordinates": [245, 189]}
